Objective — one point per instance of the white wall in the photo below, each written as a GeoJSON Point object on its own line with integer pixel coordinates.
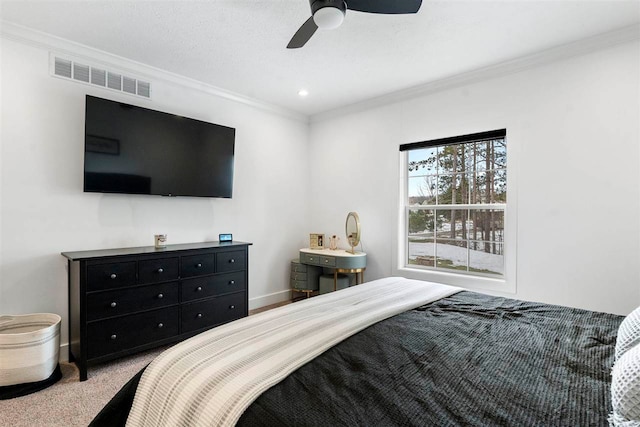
{"type": "Point", "coordinates": [45, 212]}
{"type": "Point", "coordinates": [573, 155]}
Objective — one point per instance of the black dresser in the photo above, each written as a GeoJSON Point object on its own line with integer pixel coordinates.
{"type": "Point", "coordinates": [122, 301]}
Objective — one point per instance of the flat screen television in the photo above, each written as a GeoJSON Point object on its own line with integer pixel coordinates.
{"type": "Point", "coordinates": [134, 150]}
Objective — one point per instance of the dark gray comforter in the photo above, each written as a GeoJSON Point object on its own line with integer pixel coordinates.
{"type": "Point", "coordinates": [469, 359]}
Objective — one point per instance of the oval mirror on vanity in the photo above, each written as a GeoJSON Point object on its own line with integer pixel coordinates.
{"type": "Point", "coordinates": [352, 229]}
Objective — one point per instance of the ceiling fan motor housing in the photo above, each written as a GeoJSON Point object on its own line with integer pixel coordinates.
{"type": "Point", "coordinates": [328, 14]}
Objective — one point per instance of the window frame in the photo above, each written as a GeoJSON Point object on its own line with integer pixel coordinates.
{"type": "Point", "coordinates": [504, 283]}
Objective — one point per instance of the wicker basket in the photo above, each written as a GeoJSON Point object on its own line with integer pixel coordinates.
{"type": "Point", "coordinates": [29, 347]}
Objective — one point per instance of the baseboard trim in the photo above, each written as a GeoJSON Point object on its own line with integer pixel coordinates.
{"type": "Point", "coordinates": [269, 299]}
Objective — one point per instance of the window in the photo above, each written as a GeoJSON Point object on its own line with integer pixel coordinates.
{"type": "Point", "coordinates": [455, 204]}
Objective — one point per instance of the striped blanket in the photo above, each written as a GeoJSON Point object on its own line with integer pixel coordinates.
{"type": "Point", "coordinates": [213, 377]}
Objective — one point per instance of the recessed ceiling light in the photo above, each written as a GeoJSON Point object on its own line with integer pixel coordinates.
{"type": "Point", "coordinates": [303, 92]}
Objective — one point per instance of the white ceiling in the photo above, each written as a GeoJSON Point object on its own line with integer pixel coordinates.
{"type": "Point", "coordinates": [239, 45]}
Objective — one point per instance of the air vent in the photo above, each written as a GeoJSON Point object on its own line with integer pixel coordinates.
{"type": "Point", "coordinates": [81, 72]}
{"type": "Point", "coordinates": [62, 68]}
{"type": "Point", "coordinates": [144, 89]}
{"type": "Point", "coordinates": [114, 81]}
{"type": "Point", "coordinates": [100, 77]}
{"type": "Point", "coordinates": [128, 84]}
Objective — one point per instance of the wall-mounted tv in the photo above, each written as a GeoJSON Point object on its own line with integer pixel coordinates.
{"type": "Point", "coordinates": [135, 150]}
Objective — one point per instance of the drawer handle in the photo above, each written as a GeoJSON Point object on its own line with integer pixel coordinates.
{"type": "Point", "coordinates": [232, 260]}
{"type": "Point", "coordinates": [199, 315]}
{"type": "Point", "coordinates": [160, 325]}
{"type": "Point", "coordinates": [113, 304]}
{"type": "Point", "coordinates": [199, 288]}
{"type": "Point", "coordinates": [114, 336]}
{"type": "Point", "coordinates": [232, 282]}
{"type": "Point", "coordinates": [160, 296]}
{"type": "Point", "coordinates": [160, 270]}
{"type": "Point", "coordinates": [326, 261]}
{"type": "Point", "coordinates": [310, 258]}
{"type": "Point", "coordinates": [232, 307]}
{"type": "Point", "coordinates": [199, 265]}
{"type": "Point", "coordinates": [113, 275]}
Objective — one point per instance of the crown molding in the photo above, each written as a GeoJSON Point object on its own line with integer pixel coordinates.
{"type": "Point", "coordinates": [577, 48]}
{"type": "Point", "coordinates": [63, 47]}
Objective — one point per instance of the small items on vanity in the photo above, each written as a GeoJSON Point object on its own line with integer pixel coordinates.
{"type": "Point", "coordinates": [316, 241]}
{"type": "Point", "coordinates": [333, 242]}
{"type": "Point", "coordinates": [352, 230]}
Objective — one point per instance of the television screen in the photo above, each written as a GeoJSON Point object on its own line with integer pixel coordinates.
{"type": "Point", "coordinates": [135, 150]}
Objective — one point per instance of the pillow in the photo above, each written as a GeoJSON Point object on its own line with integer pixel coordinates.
{"type": "Point", "coordinates": [628, 333]}
{"type": "Point", "coordinates": [625, 390]}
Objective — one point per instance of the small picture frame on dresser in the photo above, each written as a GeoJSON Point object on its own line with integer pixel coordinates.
{"type": "Point", "coordinates": [316, 241]}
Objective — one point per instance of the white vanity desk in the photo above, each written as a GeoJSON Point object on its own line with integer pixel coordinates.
{"type": "Point", "coordinates": [340, 260]}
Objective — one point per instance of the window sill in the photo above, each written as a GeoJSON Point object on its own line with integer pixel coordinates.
{"type": "Point", "coordinates": [501, 285]}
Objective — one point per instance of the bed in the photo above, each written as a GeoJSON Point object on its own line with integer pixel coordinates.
{"type": "Point", "coordinates": [462, 358]}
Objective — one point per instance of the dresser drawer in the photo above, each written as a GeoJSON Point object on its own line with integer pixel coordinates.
{"type": "Point", "coordinates": [158, 270]}
{"type": "Point", "coordinates": [327, 261]}
{"type": "Point", "coordinates": [122, 333]}
{"type": "Point", "coordinates": [303, 284]}
{"type": "Point", "coordinates": [204, 287]}
{"type": "Point", "coordinates": [309, 258]}
{"type": "Point", "coordinates": [198, 265]}
{"type": "Point", "coordinates": [113, 275]}
{"type": "Point", "coordinates": [231, 307]}
{"type": "Point", "coordinates": [298, 276]}
{"type": "Point", "coordinates": [122, 301]}
{"type": "Point", "coordinates": [213, 311]}
{"type": "Point", "coordinates": [230, 261]}
{"type": "Point", "coordinates": [298, 268]}
{"type": "Point", "coordinates": [198, 315]}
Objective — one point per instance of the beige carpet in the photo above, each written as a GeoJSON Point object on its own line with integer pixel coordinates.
{"type": "Point", "coordinates": [69, 402]}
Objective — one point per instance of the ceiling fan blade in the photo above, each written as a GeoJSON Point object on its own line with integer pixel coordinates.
{"type": "Point", "coordinates": [384, 6]}
{"type": "Point", "coordinates": [303, 34]}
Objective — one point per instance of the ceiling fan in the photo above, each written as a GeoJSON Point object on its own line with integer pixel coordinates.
{"type": "Point", "coordinates": [329, 14]}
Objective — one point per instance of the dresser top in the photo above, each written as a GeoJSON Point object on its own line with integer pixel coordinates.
{"type": "Point", "coordinates": [99, 253]}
